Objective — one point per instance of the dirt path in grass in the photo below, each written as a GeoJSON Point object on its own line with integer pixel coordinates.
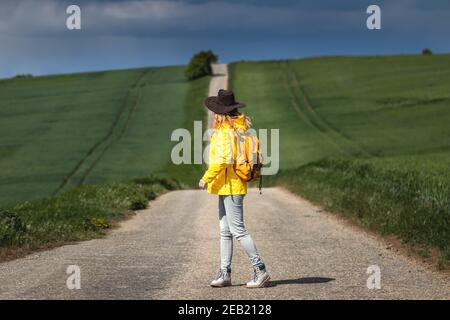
{"type": "Point", "coordinates": [218, 81]}
{"type": "Point", "coordinates": [171, 250]}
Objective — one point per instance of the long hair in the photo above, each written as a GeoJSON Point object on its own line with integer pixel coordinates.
{"type": "Point", "coordinates": [221, 119]}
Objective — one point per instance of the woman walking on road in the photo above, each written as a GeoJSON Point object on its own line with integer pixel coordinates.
{"type": "Point", "coordinates": [223, 181]}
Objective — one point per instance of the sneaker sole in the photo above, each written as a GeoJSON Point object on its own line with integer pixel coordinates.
{"type": "Point", "coordinates": [261, 285]}
{"type": "Point", "coordinates": [221, 285]}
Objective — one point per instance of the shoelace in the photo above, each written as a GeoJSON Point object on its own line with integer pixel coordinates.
{"type": "Point", "coordinates": [256, 273]}
{"type": "Point", "coordinates": [220, 274]}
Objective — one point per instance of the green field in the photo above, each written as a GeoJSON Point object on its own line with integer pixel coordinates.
{"type": "Point", "coordinates": [357, 106]}
{"type": "Point", "coordinates": [382, 123]}
{"type": "Point", "coordinates": [58, 132]}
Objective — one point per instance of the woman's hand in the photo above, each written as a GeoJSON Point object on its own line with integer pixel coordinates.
{"type": "Point", "coordinates": [202, 184]}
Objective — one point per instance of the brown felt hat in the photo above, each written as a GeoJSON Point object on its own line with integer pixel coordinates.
{"type": "Point", "coordinates": [223, 103]}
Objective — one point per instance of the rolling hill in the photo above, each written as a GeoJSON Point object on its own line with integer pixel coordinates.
{"type": "Point", "coordinates": [368, 137]}
{"type": "Point", "coordinates": [366, 107]}
{"type": "Point", "coordinates": [58, 132]}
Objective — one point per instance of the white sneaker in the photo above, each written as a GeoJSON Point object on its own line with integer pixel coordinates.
{"type": "Point", "coordinates": [223, 279]}
{"type": "Point", "coordinates": [260, 279]}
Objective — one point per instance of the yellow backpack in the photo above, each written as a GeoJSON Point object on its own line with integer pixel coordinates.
{"type": "Point", "coordinates": [248, 162]}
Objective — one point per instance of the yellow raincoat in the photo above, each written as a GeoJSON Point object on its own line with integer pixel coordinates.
{"type": "Point", "coordinates": [220, 176]}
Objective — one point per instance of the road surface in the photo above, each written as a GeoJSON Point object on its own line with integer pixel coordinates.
{"type": "Point", "coordinates": [171, 251]}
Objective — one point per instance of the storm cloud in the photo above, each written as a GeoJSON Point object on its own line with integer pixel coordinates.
{"type": "Point", "coordinates": [121, 34]}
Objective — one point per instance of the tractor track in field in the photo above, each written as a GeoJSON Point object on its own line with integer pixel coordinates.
{"type": "Point", "coordinates": [107, 137]}
{"type": "Point", "coordinates": [119, 136]}
{"type": "Point", "coordinates": [292, 85]}
{"type": "Point", "coordinates": [304, 117]}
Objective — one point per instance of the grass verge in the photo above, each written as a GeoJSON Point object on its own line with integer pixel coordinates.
{"type": "Point", "coordinates": [413, 206]}
{"type": "Point", "coordinates": [80, 214]}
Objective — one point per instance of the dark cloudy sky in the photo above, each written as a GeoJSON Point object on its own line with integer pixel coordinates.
{"type": "Point", "coordinates": [121, 34]}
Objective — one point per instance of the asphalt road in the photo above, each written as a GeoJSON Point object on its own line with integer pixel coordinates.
{"type": "Point", "coordinates": [171, 251]}
{"type": "Point", "coordinates": [218, 81]}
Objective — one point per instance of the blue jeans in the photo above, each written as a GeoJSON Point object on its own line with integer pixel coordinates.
{"type": "Point", "coordinates": [231, 217]}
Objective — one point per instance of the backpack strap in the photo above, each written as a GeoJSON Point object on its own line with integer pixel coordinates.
{"type": "Point", "coordinates": [260, 184]}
